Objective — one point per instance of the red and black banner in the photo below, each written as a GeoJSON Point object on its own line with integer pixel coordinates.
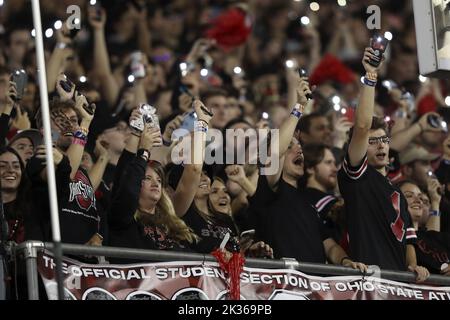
{"type": "Point", "coordinates": [206, 281]}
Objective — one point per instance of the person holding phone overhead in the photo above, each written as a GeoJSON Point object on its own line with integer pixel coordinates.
{"type": "Point", "coordinates": [379, 226]}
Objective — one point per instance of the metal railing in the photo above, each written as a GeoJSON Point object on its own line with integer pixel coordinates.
{"type": "Point", "coordinates": [30, 250]}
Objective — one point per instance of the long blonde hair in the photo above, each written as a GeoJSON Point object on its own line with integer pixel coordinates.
{"type": "Point", "coordinates": [165, 216]}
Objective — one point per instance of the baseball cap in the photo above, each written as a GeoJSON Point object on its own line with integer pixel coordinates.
{"type": "Point", "coordinates": [416, 152]}
{"type": "Point", "coordinates": [32, 134]}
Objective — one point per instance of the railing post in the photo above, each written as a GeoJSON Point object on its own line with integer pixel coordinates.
{"type": "Point", "coordinates": [30, 252]}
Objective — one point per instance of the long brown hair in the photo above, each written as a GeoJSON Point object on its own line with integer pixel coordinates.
{"type": "Point", "coordinates": [165, 216]}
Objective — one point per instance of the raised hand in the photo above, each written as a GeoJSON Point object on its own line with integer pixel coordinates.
{"type": "Point", "coordinates": [368, 54]}
{"type": "Point", "coordinates": [171, 127]}
{"type": "Point", "coordinates": [235, 173]}
{"type": "Point", "coordinates": [21, 121]}
{"type": "Point", "coordinates": [203, 114]}
{"type": "Point", "coordinates": [62, 86]}
{"type": "Point", "coordinates": [151, 137]}
{"type": "Point", "coordinates": [97, 17]}
{"type": "Point", "coordinates": [303, 90]}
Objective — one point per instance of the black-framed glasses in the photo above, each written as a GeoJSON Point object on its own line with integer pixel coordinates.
{"type": "Point", "coordinates": [382, 139]}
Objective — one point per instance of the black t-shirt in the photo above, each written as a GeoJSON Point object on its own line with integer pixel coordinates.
{"type": "Point", "coordinates": [124, 229]}
{"type": "Point", "coordinates": [378, 221]}
{"type": "Point", "coordinates": [287, 222]}
{"type": "Point", "coordinates": [211, 231]}
{"type": "Point", "coordinates": [78, 215]}
{"type": "Point", "coordinates": [323, 202]}
{"type": "Point", "coordinates": [432, 249]}
{"type": "Point", "coordinates": [443, 174]}
{"type": "Point", "coordinates": [16, 225]}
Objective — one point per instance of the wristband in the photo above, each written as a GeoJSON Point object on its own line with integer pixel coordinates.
{"type": "Point", "coordinates": [166, 143]}
{"type": "Point", "coordinates": [200, 126]}
{"type": "Point", "coordinates": [99, 235]}
{"type": "Point", "coordinates": [369, 82]}
{"type": "Point", "coordinates": [79, 141]}
{"type": "Point", "coordinates": [80, 135]}
{"type": "Point", "coordinates": [84, 130]}
{"type": "Point", "coordinates": [296, 111]}
{"type": "Point", "coordinates": [435, 213]}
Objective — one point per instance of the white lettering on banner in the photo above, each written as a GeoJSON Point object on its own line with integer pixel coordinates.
{"type": "Point", "coordinates": [207, 281]}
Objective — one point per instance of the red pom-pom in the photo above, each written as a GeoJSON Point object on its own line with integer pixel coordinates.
{"type": "Point", "coordinates": [230, 29]}
{"type": "Point", "coordinates": [233, 266]}
{"type": "Point", "coordinates": [426, 104]}
{"type": "Point", "coordinates": [331, 68]}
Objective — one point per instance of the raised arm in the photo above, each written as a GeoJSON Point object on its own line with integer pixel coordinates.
{"type": "Point", "coordinates": [288, 127]}
{"type": "Point", "coordinates": [144, 35]}
{"type": "Point", "coordinates": [60, 53]}
{"type": "Point", "coordinates": [5, 111]}
{"type": "Point", "coordinates": [434, 221]}
{"type": "Point", "coordinates": [75, 151]}
{"type": "Point", "coordinates": [126, 193]}
{"type": "Point", "coordinates": [363, 118]}
{"type": "Point", "coordinates": [98, 169]}
{"type": "Point", "coordinates": [109, 86]}
{"type": "Point", "coordinates": [190, 179]}
{"type": "Point", "coordinates": [236, 173]}
{"type": "Point", "coordinates": [401, 139]}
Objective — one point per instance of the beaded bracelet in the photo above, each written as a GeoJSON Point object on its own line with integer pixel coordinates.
{"type": "Point", "coordinates": [84, 130]}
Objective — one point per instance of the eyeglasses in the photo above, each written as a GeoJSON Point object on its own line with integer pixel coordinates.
{"type": "Point", "coordinates": [376, 140]}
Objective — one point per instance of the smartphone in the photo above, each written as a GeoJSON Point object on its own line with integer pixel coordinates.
{"type": "Point", "coordinates": [187, 124]}
{"type": "Point", "coordinates": [379, 44]}
{"type": "Point", "coordinates": [149, 117]}
{"type": "Point", "coordinates": [137, 66]}
{"type": "Point", "coordinates": [189, 120]}
{"type": "Point", "coordinates": [184, 89]}
{"type": "Point", "coordinates": [304, 74]}
{"type": "Point", "coordinates": [90, 108]}
{"type": "Point", "coordinates": [20, 78]}
{"type": "Point", "coordinates": [66, 85]}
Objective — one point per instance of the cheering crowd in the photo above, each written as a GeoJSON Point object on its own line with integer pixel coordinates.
{"type": "Point", "coordinates": [358, 141]}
